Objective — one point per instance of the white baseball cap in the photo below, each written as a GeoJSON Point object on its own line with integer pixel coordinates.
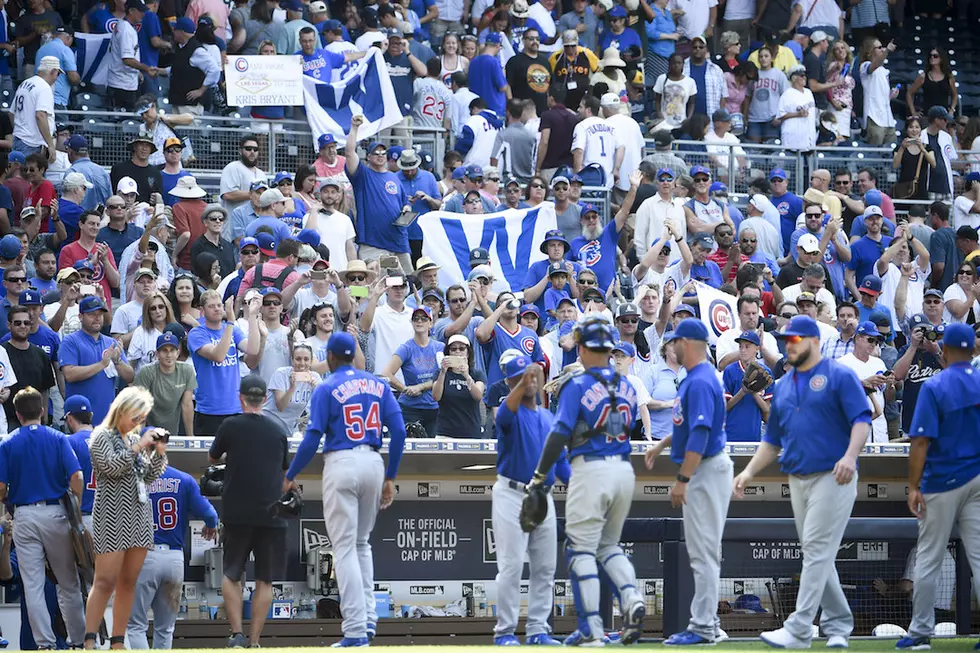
{"type": "Point", "coordinates": [127, 185]}
{"type": "Point", "coordinates": [609, 100]}
{"type": "Point", "coordinates": [49, 63]}
{"type": "Point", "coordinates": [809, 243]}
{"type": "Point", "coordinates": [873, 210]}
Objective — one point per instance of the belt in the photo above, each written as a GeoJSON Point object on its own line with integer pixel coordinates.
{"type": "Point", "coordinates": [166, 547]}
{"type": "Point", "coordinates": [521, 487]}
{"type": "Point", "coordinates": [592, 457]}
{"type": "Point", "coordinates": [49, 502]}
{"type": "Point", "coordinates": [364, 447]}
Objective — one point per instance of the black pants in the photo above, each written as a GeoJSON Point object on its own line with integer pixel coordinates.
{"type": "Point", "coordinates": [123, 99]}
{"type": "Point", "coordinates": [207, 424]}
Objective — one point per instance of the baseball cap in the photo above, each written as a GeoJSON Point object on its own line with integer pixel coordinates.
{"type": "Point", "coordinates": [560, 179]}
{"type": "Point", "coordinates": [76, 180]}
{"type": "Point", "coordinates": [696, 170]}
{"type": "Point", "coordinates": [83, 264]}
{"type": "Point", "coordinates": [718, 187]}
{"type": "Point", "coordinates": [778, 173]}
{"type": "Point", "coordinates": [291, 5]}
{"type": "Point", "coordinates": [341, 343]}
{"type": "Point", "coordinates": [593, 294]}
{"type": "Point", "coordinates": [966, 231]}
{"type": "Point", "coordinates": [479, 272]}
{"type": "Point", "coordinates": [127, 185]}
{"type": "Point", "coordinates": [394, 152]}
{"type": "Point", "coordinates": [317, 7]}
{"type": "Point", "coordinates": [66, 273]}
{"type": "Point", "coordinates": [576, 179]}
{"type": "Point", "coordinates": [663, 138]}
{"type": "Point", "coordinates": [873, 198]}
{"type": "Point", "coordinates": [665, 172]}
{"type": "Point", "coordinates": [493, 38]}
{"type": "Point", "coordinates": [459, 173]}
{"type": "Point", "coordinates": [91, 304]}
{"type": "Point", "coordinates": [479, 256]}
{"type": "Point", "coordinates": [310, 237]}
{"type": "Point", "coordinates": [258, 184]}
{"type": "Point", "coordinates": [959, 336]}
{"type": "Point", "coordinates": [267, 244]}
{"type": "Point", "coordinates": [325, 139]}
{"type": "Point", "coordinates": [933, 292]}
{"type": "Point", "coordinates": [185, 24]}
{"type": "Point", "coordinates": [246, 242]}
{"type": "Point", "coordinates": [625, 348]}
{"type": "Point", "coordinates": [610, 100]}
{"type": "Point", "coordinates": [460, 338]}
{"type": "Point", "coordinates": [167, 340]}
{"type": "Point", "coordinates": [804, 31]}
{"type": "Point", "coordinates": [684, 308]}
{"type": "Point", "coordinates": [617, 12]}
{"type": "Point", "coordinates": [569, 37]}
{"type": "Point", "coordinates": [797, 70]}
{"type": "Point", "coordinates": [16, 157]}
{"type": "Point", "coordinates": [801, 326]}
{"type": "Point", "coordinates": [516, 366]}
{"type": "Point", "coordinates": [144, 272]}
{"type": "Point", "coordinates": [700, 37]}
{"type": "Point", "coordinates": [870, 285]}
{"type": "Point", "coordinates": [331, 181]}
{"type": "Point", "coordinates": [819, 36]}
{"type": "Point", "coordinates": [972, 176]}
{"type": "Point", "coordinates": [77, 143]}
{"type": "Point", "coordinates": [808, 243]}
{"type": "Point", "coordinates": [556, 268]}
{"type": "Point", "coordinates": [10, 247]}
{"type": "Point", "coordinates": [423, 309]}
{"type": "Point", "coordinates": [705, 240]}
{"type": "Point", "coordinates": [749, 336]}
{"type": "Point", "coordinates": [588, 207]}
{"type": "Point", "coordinates": [691, 329]}
{"type": "Point", "coordinates": [29, 297]}
{"type": "Point", "coordinates": [77, 404]}
{"type": "Point", "coordinates": [868, 328]}
{"type": "Point", "coordinates": [721, 116]}
{"type": "Point", "coordinates": [281, 176]}
{"type": "Point", "coordinates": [474, 172]}
{"type": "Point", "coordinates": [332, 25]}
{"type": "Point", "coordinates": [529, 308]}
{"type": "Point", "coordinates": [270, 197]}
{"type": "Point", "coordinates": [625, 309]}
{"type": "Point", "coordinates": [937, 111]}
{"type": "Point", "coordinates": [270, 290]}
{"type": "Point", "coordinates": [253, 385]}
{"type": "Point", "coordinates": [48, 63]}
{"type": "Point", "coordinates": [806, 296]}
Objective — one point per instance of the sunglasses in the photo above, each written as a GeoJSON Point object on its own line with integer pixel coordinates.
{"type": "Point", "coordinates": [493, 178]}
{"type": "Point", "coordinates": [933, 302]}
{"type": "Point", "coordinates": [966, 272]}
{"type": "Point", "coordinates": [749, 240]}
{"type": "Point", "coordinates": [665, 180]}
{"type": "Point", "coordinates": [701, 180]}
{"type": "Point", "coordinates": [248, 251]}
{"type": "Point", "coordinates": [418, 319]}
{"type": "Point", "coordinates": [15, 279]}
{"type": "Point", "coordinates": [794, 339]}
{"type": "Point", "coordinates": [561, 187]}
{"type": "Point", "coordinates": [473, 202]}
{"type": "Point", "coordinates": [217, 218]}
{"type": "Point", "coordinates": [459, 349]}
{"type": "Point", "coordinates": [843, 182]}
{"type": "Point", "coordinates": [665, 251]}
{"type": "Point", "coordinates": [814, 215]}
{"type": "Point", "coordinates": [726, 234]}
{"type": "Point", "coordinates": [787, 316]}
{"type": "Point", "coordinates": [513, 189]}
{"type": "Point", "coordinates": [112, 207]}
{"type": "Point", "coordinates": [934, 55]}
{"type": "Point", "coordinates": [19, 323]}
{"type": "Point", "coordinates": [356, 277]}
{"type": "Point", "coordinates": [458, 300]}
{"type": "Point", "coordinates": [158, 307]}
{"type": "Point", "coordinates": [379, 153]}
{"type": "Point", "coordinates": [31, 169]}
{"type": "Point", "coordinates": [249, 148]}
{"type": "Point", "coordinates": [629, 320]}
{"type": "Point", "coordinates": [271, 302]}
{"type": "Point", "coordinates": [173, 150]}
{"type": "Point", "coordinates": [588, 282]}
{"type": "Point", "coordinates": [285, 182]}
{"type": "Point", "coordinates": [484, 281]}
{"type": "Point", "coordinates": [537, 185]}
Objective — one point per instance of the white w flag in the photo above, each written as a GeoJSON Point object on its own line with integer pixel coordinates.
{"type": "Point", "coordinates": [92, 57]}
{"type": "Point", "coordinates": [512, 237]}
{"type": "Point", "coordinates": [718, 310]}
{"type": "Point", "coordinates": [364, 88]}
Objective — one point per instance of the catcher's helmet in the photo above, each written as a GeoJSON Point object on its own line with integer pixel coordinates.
{"type": "Point", "coordinates": [595, 332]}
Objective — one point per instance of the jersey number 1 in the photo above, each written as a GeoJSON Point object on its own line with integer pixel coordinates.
{"type": "Point", "coordinates": [358, 423]}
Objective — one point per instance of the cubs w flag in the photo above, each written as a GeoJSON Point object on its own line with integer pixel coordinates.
{"type": "Point", "coordinates": [512, 237]}
{"type": "Point", "coordinates": [363, 89]}
{"type": "Point", "coordinates": [92, 57]}
{"type": "Point", "coordinates": [718, 310]}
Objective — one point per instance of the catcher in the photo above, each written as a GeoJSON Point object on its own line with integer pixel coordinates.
{"type": "Point", "coordinates": [748, 391]}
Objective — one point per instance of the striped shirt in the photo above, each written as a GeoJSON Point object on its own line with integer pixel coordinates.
{"type": "Point", "coordinates": [837, 347]}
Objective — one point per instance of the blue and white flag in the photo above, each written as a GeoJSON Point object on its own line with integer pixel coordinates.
{"type": "Point", "coordinates": [92, 57]}
{"type": "Point", "coordinates": [365, 89]}
{"type": "Point", "coordinates": [512, 237]}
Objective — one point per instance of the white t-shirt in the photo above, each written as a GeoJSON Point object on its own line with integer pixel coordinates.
{"type": "Point", "coordinates": [70, 324]}
{"type": "Point", "coordinates": [877, 95]}
{"type": "Point", "coordinates": [7, 378]}
{"type": "Point", "coordinates": [390, 330]}
{"type": "Point", "coordinates": [598, 141]}
{"type": "Point", "coordinates": [431, 101]}
{"type": "Point", "coordinates": [798, 133]}
{"type": "Point", "coordinates": [695, 18]}
{"type": "Point", "coordinates": [143, 348]}
{"type": "Point", "coordinates": [674, 95]}
{"type": "Point", "coordinates": [961, 213]}
{"type": "Point", "coordinates": [819, 13]}
{"type": "Point", "coordinates": [874, 365]}
{"type": "Point", "coordinates": [889, 284]}
{"type": "Point", "coordinates": [824, 296]}
{"type": "Point", "coordinates": [726, 344]}
{"type": "Point", "coordinates": [297, 403]}
{"type": "Point", "coordinates": [274, 355]}
{"type": "Point", "coordinates": [739, 9]}
{"type": "Point", "coordinates": [628, 135]}
{"type": "Point", "coordinates": [32, 96]}
{"type": "Point", "coordinates": [124, 44]}
{"type": "Point", "coordinates": [335, 230]}
{"type": "Point", "coordinates": [305, 298]}
{"type": "Point", "coordinates": [127, 317]}
{"type": "Point", "coordinates": [484, 135]}
{"type": "Point", "coordinates": [340, 47]}
{"type": "Point", "coordinates": [955, 292]}
{"type": "Point", "coordinates": [368, 39]}
{"type": "Point", "coordinates": [720, 146]}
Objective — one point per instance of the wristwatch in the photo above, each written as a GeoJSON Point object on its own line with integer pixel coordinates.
{"type": "Point", "coordinates": [683, 479]}
{"type": "Point", "coordinates": [678, 239]}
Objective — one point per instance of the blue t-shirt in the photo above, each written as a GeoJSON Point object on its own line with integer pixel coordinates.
{"type": "Point", "coordinates": [80, 445]}
{"type": "Point", "coordinates": [790, 206]}
{"type": "Point", "coordinates": [101, 20]}
{"type": "Point", "coordinates": [42, 286]}
{"type": "Point", "coordinates": [82, 349]}
{"type": "Point", "coordinates": [175, 497]}
{"type": "Point", "coordinates": [57, 48]}
{"type": "Point", "coordinates": [620, 41]}
{"type": "Point", "coordinates": [865, 252]}
{"type": "Point", "coordinates": [349, 408]}
{"type": "Point", "coordinates": [486, 79]}
{"type": "Point", "coordinates": [584, 398]}
{"type": "Point", "coordinates": [149, 28]}
{"type": "Point", "coordinates": [520, 441]}
{"type": "Point", "coordinates": [420, 365]}
{"type": "Point", "coordinates": [402, 79]}
{"type": "Point", "coordinates": [426, 182]}
{"type": "Point", "coordinates": [294, 219]}
{"type": "Point", "coordinates": [701, 98]}
{"type": "Point", "coordinates": [858, 228]}
{"type": "Point", "coordinates": [699, 415]}
{"type": "Point", "coordinates": [321, 63]}
{"type": "Point", "coordinates": [830, 395]}
{"type": "Point", "coordinates": [948, 415]}
{"type": "Point", "coordinates": [35, 464]}
{"type": "Point", "coordinates": [744, 422]}
{"type": "Point", "coordinates": [379, 199]}
{"type": "Point", "coordinates": [217, 383]}
{"type": "Point", "coordinates": [537, 271]}
{"type": "Point", "coordinates": [279, 228]}
{"type": "Point", "coordinates": [421, 8]}
{"type": "Point", "coordinates": [552, 296]}
{"type": "Point", "coordinates": [118, 241]}
{"type": "Point", "coordinates": [169, 183]}
{"type": "Point", "coordinates": [598, 255]}
{"type": "Point", "coordinates": [523, 339]}
{"type": "Point", "coordinates": [70, 213]}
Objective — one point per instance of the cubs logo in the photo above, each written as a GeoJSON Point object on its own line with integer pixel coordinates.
{"type": "Point", "coordinates": [670, 284]}
{"type": "Point", "coordinates": [3, 372]}
{"type": "Point", "coordinates": [590, 253]}
{"type": "Point", "coordinates": [241, 64]}
{"type": "Point", "coordinates": [677, 415]}
{"type": "Point", "coordinates": [528, 344]}
{"type": "Point", "coordinates": [720, 316]}
{"type": "Point", "coordinates": [818, 383]}
{"type": "Point", "coordinates": [391, 187]}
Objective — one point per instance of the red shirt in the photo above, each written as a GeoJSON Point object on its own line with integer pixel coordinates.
{"type": "Point", "coordinates": [187, 219]}
{"type": "Point", "coordinates": [43, 193]}
{"type": "Point", "coordinates": [74, 252]}
{"type": "Point", "coordinates": [19, 188]}
{"type": "Point", "coordinates": [721, 258]}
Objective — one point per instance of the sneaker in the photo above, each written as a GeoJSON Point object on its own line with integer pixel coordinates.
{"type": "Point", "coordinates": [633, 622]}
{"type": "Point", "coordinates": [782, 638]}
{"type": "Point", "coordinates": [720, 636]}
{"type": "Point", "coordinates": [687, 638]}
{"type": "Point", "coordinates": [506, 640]}
{"type": "Point", "coordinates": [237, 640]}
{"type": "Point", "coordinates": [837, 641]}
{"type": "Point", "coordinates": [578, 639]}
{"type": "Point", "coordinates": [349, 642]}
{"type": "Point", "coordinates": [372, 630]}
{"type": "Point", "coordinates": [254, 645]}
{"type": "Point", "coordinates": [541, 639]}
{"type": "Point", "coordinates": [909, 643]}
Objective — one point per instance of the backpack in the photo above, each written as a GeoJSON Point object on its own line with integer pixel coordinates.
{"type": "Point", "coordinates": [261, 281]}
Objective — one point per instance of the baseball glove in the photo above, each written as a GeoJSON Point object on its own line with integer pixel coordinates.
{"type": "Point", "coordinates": [534, 507]}
{"type": "Point", "coordinates": [757, 378]}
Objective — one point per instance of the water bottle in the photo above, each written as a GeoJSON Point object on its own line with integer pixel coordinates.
{"type": "Point", "coordinates": [182, 609]}
{"type": "Point", "coordinates": [203, 612]}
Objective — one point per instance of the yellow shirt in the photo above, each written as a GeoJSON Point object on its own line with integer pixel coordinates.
{"type": "Point", "coordinates": [785, 59]}
{"type": "Point", "coordinates": [583, 65]}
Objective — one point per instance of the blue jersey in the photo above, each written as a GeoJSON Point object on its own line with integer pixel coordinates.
{"type": "Point", "coordinates": [790, 206]}
{"type": "Point", "coordinates": [36, 463]}
{"type": "Point", "coordinates": [174, 497]}
{"type": "Point", "coordinates": [524, 340]}
{"type": "Point", "coordinates": [537, 271]}
{"type": "Point", "coordinates": [321, 64]}
{"type": "Point", "coordinates": [948, 415]}
{"type": "Point", "coordinates": [744, 423]}
{"type": "Point", "coordinates": [829, 395]}
{"type": "Point", "coordinates": [149, 28]}
{"type": "Point", "coordinates": [699, 415]}
{"type": "Point", "coordinates": [280, 230]}
{"type": "Point", "coordinates": [583, 404]}
{"type": "Point", "coordinates": [598, 255]}
{"type": "Point", "coordinates": [349, 408]}
{"type": "Point", "coordinates": [423, 181]}
{"type": "Point", "coordinates": [420, 365]}
{"type": "Point", "coordinates": [217, 383]}
{"type": "Point", "coordinates": [620, 41]}
{"type": "Point", "coordinates": [520, 441]}
{"type": "Point", "coordinates": [487, 79]}
{"type": "Point", "coordinates": [865, 252]}
{"type": "Point", "coordinates": [379, 198]}
{"type": "Point", "coordinates": [80, 445]}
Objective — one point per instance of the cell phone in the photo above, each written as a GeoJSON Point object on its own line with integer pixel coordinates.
{"type": "Point", "coordinates": [303, 377]}
{"type": "Point", "coordinates": [888, 373]}
{"type": "Point", "coordinates": [318, 274]}
{"type": "Point", "coordinates": [392, 282]}
{"type": "Point", "coordinates": [86, 289]}
{"type": "Point", "coordinates": [389, 261]}
{"type": "Point", "coordinates": [100, 209]}
{"type": "Point", "coordinates": [457, 362]}
{"type": "Point", "coordinates": [360, 292]}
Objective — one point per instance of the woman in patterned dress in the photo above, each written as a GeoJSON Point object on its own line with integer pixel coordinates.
{"type": "Point", "coordinates": [124, 463]}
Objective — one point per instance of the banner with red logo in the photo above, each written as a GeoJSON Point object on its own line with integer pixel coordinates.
{"type": "Point", "coordinates": [718, 310]}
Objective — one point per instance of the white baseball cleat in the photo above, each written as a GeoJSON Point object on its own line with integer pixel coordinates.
{"type": "Point", "coordinates": [837, 641]}
{"type": "Point", "coordinates": [782, 638]}
{"type": "Point", "coordinates": [720, 636]}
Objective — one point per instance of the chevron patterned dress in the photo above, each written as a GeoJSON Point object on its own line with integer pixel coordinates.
{"type": "Point", "coordinates": [120, 520]}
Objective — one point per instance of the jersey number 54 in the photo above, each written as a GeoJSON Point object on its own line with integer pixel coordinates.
{"type": "Point", "coordinates": [358, 423]}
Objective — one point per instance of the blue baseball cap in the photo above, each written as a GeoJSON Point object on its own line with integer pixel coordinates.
{"type": "Point", "coordinates": [801, 326]}
{"type": "Point", "coordinates": [281, 176]}
{"type": "Point", "coordinates": [589, 208]}
{"type": "Point", "coordinates": [576, 179]}
{"type": "Point", "coordinates": [291, 5]}
{"type": "Point", "coordinates": [804, 31]}
{"type": "Point", "coordinates": [868, 328]}
{"type": "Point", "coordinates": [259, 184]}
{"type": "Point", "coordinates": [325, 139]}
{"type": "Point", "coordinates": [185, 24]}
{"type": "Point", "coordinates": [665, 172]}
{"type": "Point", "coordinates": [474, 172]}
{"type": "Point", "coordinates": [530, 308]}
{"type": "Point", "coordinates": [267, 243]}
{"type": "Point", "coordinates": [625, 348]}
{"type": "Point", "coordinates": [684, 308]}
{"type": "Point", "coordinates": [10, 247]}
{"type": "Point", "coordinates": [341, 343]}
{"type": "Point", "coordinates": [493, 38]}
{"type": "Point", "coordinates": [394, 152]}
{"type": "Point", "coordinates": [459, 173]}
{"type": "Point", "coordinates": [91, 304]}
{"type": "Point", "coordinates": [375, 145]}
{"type": "Point", "coordinates": [872, 197]}
{"type": "Point", "coordinates": [553, 235]}
{"type": "Point", "coordinates": [310, 237]}
{"type": "Point", "coordinates": [691, 329]}
{"type": "Point", "coordinates": [16, 157]}
{"type": "Point", "coordinates": [247, 241]}
{"type": "Point", "coordinates": [718, 187]}
{"type": "Point", "coordinates": [748, 603]}
{"type": "Point", "coordinates": [778, 173]}
{"type": "Point", "coordinates": [77, 143]}
{"type": "Point", "coordinates": [516, 366]}
{"type": "Point", "coordinates": [749, 336]}
{"type": "Point", "coordinates": [77, 404]}
{"type": "Point", "coordinates": [167, 340]}
{"type": "Point", "coordinates": [617, 12]}
{"type": "Point", "coordinates": [972, 176]}
{"type": "Point", "coordinates": [959, 336]}
{"type": "Point", "coordinates": [29, 297]}
{"type": "Point", "coordinates": [870, 285]}
{"type": "Point", "coordinates": [423, 309]}
{"type": "Point", "coordinates": [332, 25]}
{"type": "Point", "coordinates": [695, 170]}
{"type": "Point", "coordinates": [83, 264]}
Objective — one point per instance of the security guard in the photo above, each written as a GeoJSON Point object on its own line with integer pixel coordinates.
{"type": "Point", "coordinates": [174, 498]}
{"type": "Point", "coordinates": [37, 468]}
{"type": "Point", "coordinates": [822, 476]}
{"type": "Point", "coordinates": [944, 475]}
{"type": "Point", "coordinates": [78, 422]}
{"type": "Point", "coordinates": [522, 427]}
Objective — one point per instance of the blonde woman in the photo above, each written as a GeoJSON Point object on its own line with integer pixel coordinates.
{"type": "Point", "coordinates": [839, 66]}
{"type": "Point", "coordinates": [123, 463]}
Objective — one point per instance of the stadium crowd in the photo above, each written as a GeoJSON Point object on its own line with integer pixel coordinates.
{"type": "Point", "coordinates": [102, 261]}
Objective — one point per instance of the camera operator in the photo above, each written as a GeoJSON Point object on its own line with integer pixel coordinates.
{"type": "Point", "coordinates": [918, 362]}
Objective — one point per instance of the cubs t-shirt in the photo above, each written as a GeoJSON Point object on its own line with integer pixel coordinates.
{"type": "Point", "coordinates": [217, 382]}
{"type": "Point", "coordinates": [420, 365]}
{"type": "Point", "coordinates": [598, 255]}
{"type": "Point", "coordinates": [523, 339]}
{"type": "Point", "coordinates": [379, 198]}
{"type": "Point", "coordinates": [321, 63]}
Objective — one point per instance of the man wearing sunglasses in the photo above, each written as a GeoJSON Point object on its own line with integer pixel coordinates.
{"type": "Point", "coordinates": [211, 241]}
{"type": "Point", "coordinates": [237, 176]}
{"type": "Point", "coordinates": [870, 369]}
{"type": "Point", "coordinates": [919, 361]}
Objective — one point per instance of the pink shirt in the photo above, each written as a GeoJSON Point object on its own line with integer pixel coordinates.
{"type": "Point", "coordinates": [217, 9]}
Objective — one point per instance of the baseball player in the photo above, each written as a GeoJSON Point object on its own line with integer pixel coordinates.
{"type": "Point", "coordinates": [822, 475]}
{"type": "Point", "coordinates": [944, 475]}
{"type": "Point", "coordinates": [37, 468]}
{"type": "Point", "coordinates": [78, 422]}
{"type": "Point", "coordinates": [522, 428]}
{"type": "Point", "coordinates": [706, 471]}
{"type": "Point", "coordinates": [596, 411]}
{"type": "Point", "coordinates": [174, 498]}
{"type": "Point", "coordinates": [349, 407]}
